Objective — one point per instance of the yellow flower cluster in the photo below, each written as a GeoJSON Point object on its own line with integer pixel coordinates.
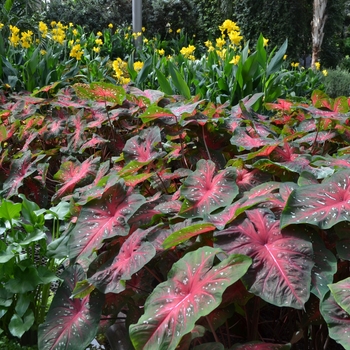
{"type": "Point", "coordinates": [138, 65]}
{"type": "Point", "coordinates": [14, 37]}
{"type": "Point", "coordinates": [1, 25]}
{"type": "Point", "coordinates": [232, 30]}
{"type": "Point", "coordinates": [317, 65]}
{"type": "Point", "coordinates": [235, 60]}
{"type": "Point", "coordinates": [43, 29]}
{"type": "Point", "coordinates": [120, 69]}
{"type": "Point", "coordinates": [295, 64]}
{"type": "Point", "coordinates": [26, 39]}
{"type": "Point", "coordinates": [58, 32]}
{"type": "Point", "coordinates": [188, 51]}
{"type": "Point", "coordinates": [76, 52]}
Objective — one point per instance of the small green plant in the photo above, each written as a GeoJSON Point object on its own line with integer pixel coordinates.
{"type": "Point", "coordinates": [337, 83]}
{"type": "Point", "coordinates": [27, 271]}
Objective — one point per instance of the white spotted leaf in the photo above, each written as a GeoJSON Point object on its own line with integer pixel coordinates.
{"type": "Point", "coordinates": [194, 288]}
{"type": "Point", "coordinates": [204, 191]}
{"type": "Point", "coordinates": [282, 260]}
{"type": "Point", "coordinates": [71, 324]}
{"type": "Point", "coordinates": [322, 205]}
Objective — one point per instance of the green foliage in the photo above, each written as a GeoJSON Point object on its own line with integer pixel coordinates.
{"type": "Point", "coordinates": [337, 83]}
{"type": "Point", "coordinates": [283, 19]}
{"type": "Point", "coordinates": [166, 205]}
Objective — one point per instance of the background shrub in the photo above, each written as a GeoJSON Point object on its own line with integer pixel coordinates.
{"type": "Point", "coordinates": [337, 83]}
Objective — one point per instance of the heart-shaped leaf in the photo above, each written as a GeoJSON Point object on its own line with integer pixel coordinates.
{"type": "Point", "coordinates": [205, 192]}
{"type": "Point", "coordinates": [133, 255]}
{"type": "Point", "coordinates": [321, 205]}
{"type": "Point", "coordinates": [70, 324]}
{"type": "Point", "coordinates": [103, 218]}
{"type": "Point", "coordinates": [194, 288]}
{"type": "Point", "coordinates": [282, 261]}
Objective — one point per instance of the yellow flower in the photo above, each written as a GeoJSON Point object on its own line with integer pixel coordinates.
{"type": "Point", "coordinates": [145, 40]}
{"type": "Point", "coordinates": [110, 25]}
{"type": "Point", "coordinates": [43, 29]}
{"type": "Point", "coordinates": [317, 65]}
{"type": "Point", "coordinates": [170, 30]}
{"type": "Point", "coordinates": [324, 72]}
{"type": "Point", "coordinates": [76, 52]}
{"type": "Point", "coordinates": [98, 41]}
{"type": "Point", "coordinates": [235, 59]}
{"type": "Point", "coordinates": [136, 35]}
{"type": "Point", "coordinates": [208, 43]}
{"type": "Point", "coordinates": [138, 65]}
{"type": "Point", "coordinates": [187, 51]}
{"type": "Point", "coordinates": [14, 38]}
{"type": "Point", "coordinates": [75, 32]}
{"type": "Point", "coordinates": [26, 39]}
{"type": "Point", "coordinates": [58, 34]}
{"type": "Point", "coordinates": [161, 52]}
{"type": "Point", "coordinates": [42, 52]}
{"type": "Point", "coordinates": [1, 25]}
{"type": "Point", "coordinates": [220, 42]}
{"type": "Point", "coordinates": [53, 24]}
{"type": "Point", "coordinates": [285, 57]}
{"type": "Point", "coordinates": [265, 41]}
{"type": "Point", "coordinates": [71, 24]}
{"type": "Point", "coordinates": [295, 64]}
{"type": "Point", "coordinates": [96, 49]}
{"type": "Point", "coordinates": [120, 69]}
{"type": "Point", "coordinates": [99, 34]}
{"type": "Point", "coordinates": [178, 31]}
{"type": "Point", "coordinates": [228, 26]}
{"type": "Point", "coordinates": [191, 57]}
{"type": "Point", "coordinates": [235, 37]}
{"type": "Point", "coordinates": [143, 29]}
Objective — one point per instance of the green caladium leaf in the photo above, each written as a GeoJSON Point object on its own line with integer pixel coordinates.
{"type": "Point", "coordinates": [338, 320]}
{"type": "Point", "coordinates": [322, 205]}
{"type": "Point", "coordinates": [341, 293]}
{"type": "Point", "coordinates": [204, 191]}
{"type": "Point", "coordinates": [194, 288]}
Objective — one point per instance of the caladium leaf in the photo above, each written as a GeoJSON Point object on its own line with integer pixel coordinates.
{"type": "Point", "coordinates": [205, 192]}
{"type": "Point", "coordinates": [338, 320]}
{"type": "Point", "coordinates": [186, 233]}
{"type": "Point", "coordinates": [101, 92]}
{"type": "Point", "coordinates": [194, 288]}
{"type": "Point", "coordinates": [70, 324]}
{"type": "Point", "coordinates": [282, 261]}
{"type": "Point", "coordinates": [341, 293]}
{"type": "Point", "coordinates": [133, 255]}
{"type": "Point", "coordinates": [322, 205]}
{"type": "Point", "coordinates": [103, 218]}
{"type": "Point", "coordinates": [143, 147]}
{"type": "Point", "coordinates": [71, 173]}
{"type": "Point", "coordinates": [21, 168]}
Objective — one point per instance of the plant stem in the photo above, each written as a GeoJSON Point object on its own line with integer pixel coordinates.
{"type": "Point", "coordinates": [205, 143]}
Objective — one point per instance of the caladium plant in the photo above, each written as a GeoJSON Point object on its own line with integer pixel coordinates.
{"type": "Point", "coordinates": [161, 191]}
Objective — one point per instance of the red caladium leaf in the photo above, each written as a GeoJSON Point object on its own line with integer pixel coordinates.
{"type": "Point", "coordinates": [134, 254]}
{"type": "Point", "coordinates": [21, 168]}
{"type": "Point", "coordinates": [101, 92]}
{"type": "Point", "coordinates": [143, 147]}
{"type": "Point", "coordinates": [71, 173]}
{"type": "Point", "coordinates": [322, 205]}
{"type": "Point", "coordinates": [282, 261]}
{"type": "Point", "coordinates": [205, 192]}
{"type": "Point", "coordinates": [154, 112]}
{"type": "Point", "coordinates": [70, 324]}
{"type": "Point", "coordinates": [103, 218]}
{"type": "Point", "coordinates": [246, 141]}
{"type": "Point", "coordinates": [338, 320]}
{"type": "Point", "coordinates": [194, 288]}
